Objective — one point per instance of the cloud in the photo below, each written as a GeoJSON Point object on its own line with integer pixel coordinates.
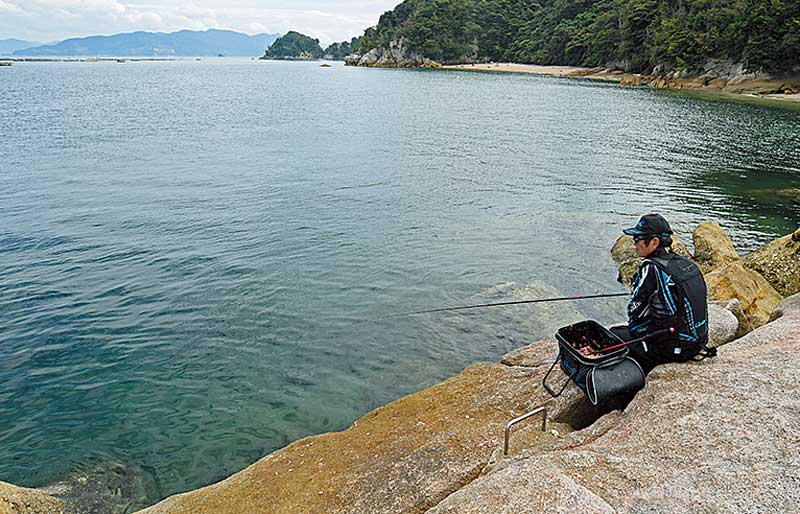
{"type": "Point", "coordinates": [8, 8]}
{"type": "Point", "coordinates": [58, 19]}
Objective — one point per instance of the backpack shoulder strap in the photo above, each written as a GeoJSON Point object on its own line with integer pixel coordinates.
{"type": "Point", "coordinates": [658, 262]}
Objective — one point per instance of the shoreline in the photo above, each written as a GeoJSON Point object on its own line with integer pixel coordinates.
{"type": "Point", "coordinates": [744, 89]}
{"type": "Point", "coordinates": [440, 450]}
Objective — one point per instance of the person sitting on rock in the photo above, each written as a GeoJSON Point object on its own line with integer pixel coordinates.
{"type": "Point", "coordinates": [668, 300]}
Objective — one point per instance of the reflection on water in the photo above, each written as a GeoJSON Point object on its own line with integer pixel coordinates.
{"type": "Point", "coordinates": [199, 262]}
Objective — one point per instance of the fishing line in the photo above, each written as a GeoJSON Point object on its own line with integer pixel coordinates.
{"type": "Point", "coordinates": [518, 302]}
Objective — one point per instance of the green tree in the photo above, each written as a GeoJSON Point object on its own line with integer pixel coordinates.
{"type": "Point", "coordinates": [294, 45]}
{"type": "Point", "coordinates": [636, 35]}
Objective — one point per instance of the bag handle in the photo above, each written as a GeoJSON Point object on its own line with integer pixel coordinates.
{"type": "Point", "coordinates": [544, 380]}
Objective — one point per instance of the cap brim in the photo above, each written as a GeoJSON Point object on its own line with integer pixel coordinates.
{"type": "Point", "coordinates": [634, 232]}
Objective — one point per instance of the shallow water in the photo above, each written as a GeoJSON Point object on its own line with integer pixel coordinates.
{"type": "Point", "coordinates": [199, 260]}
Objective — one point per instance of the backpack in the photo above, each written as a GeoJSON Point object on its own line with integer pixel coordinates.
{"type": "Point", "coordinates": [691, 317]}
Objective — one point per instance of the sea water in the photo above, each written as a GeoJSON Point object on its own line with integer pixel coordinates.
{"type": "Point", "coordinates": [201, 262]}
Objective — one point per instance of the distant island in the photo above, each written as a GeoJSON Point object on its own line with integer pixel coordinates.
{"type": "Point", "coordinates": [9, 46]}
{"type": "Point", "coordinates": [294, 46]}
{"type": "Point", "coordinates": [185, 43]}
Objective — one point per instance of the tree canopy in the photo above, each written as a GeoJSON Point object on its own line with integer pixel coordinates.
{"type": "Point", "coordinates": [294, 45]}
{"type": "Point", "coordinates": [635, 35]}
{"type": "Point", "coordinates": [338, 51]}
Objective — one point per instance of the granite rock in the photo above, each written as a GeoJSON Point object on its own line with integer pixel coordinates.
{"type": "Point", "coordinates": [735, 308]}
{"type": "Point", "coordinates": [716, 436]}
{"type": "Point", "coordinates": [712, 247]}
{"type": "Point", "coordinates": [396, 55]}
{"type": "Point", "coordinates": [722, 325]}
{"type": "Point", "coordinates": [20, 500]}
{"type": "Point", "coordinates": [757, 296]}
{"type": "Point", "coordinates": [779, 263]}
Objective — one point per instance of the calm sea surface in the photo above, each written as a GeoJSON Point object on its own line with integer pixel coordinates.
{"type": "Point", "coordinates": [198, 260]}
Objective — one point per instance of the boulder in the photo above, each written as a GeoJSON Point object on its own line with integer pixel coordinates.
{"type": "Point", "coordinates": [370, 58]}
{"type": "Point", "coordinates": [540, 353]}
{"type": "Point", "coordinates": [757, 296]}
{"type": "Point", "coordinates": [779, 263]}
{"type": "Point", "coordinates": [735, 308]}
{"type": "Point", "coordinates": [396, 55]}
{"type": "Point", "coordinates": [631, 79]}
{"type": "Point", "coordinates": [712, 247]}
{"type": "Point", "coordinates": [722, 325]}
{"type": "Point", "coordinates": [628, 262]}
{"type": "Point", "coordinates": [714, 436]}
{"type": "Point", "coordinates": [20, 500]}
{"type": "Point", "coordinates": [788, 307]}
{"type": "Point", "coordinates": [352, 59]}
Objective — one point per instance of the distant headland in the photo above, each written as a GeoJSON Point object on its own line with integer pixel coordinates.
{"type": "Point", "coordinates": [739, 48]}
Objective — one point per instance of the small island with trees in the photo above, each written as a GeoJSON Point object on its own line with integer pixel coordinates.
{"type": "Point", "coordinates": [294, 46]}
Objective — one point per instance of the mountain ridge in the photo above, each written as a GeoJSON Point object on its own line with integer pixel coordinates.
{"type": "Point", "coordinates": [183, 43]}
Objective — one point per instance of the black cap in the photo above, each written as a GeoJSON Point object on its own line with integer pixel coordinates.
{"type": "Point", "coordinates": [650, 225]}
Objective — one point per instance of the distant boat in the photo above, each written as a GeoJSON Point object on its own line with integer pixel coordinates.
{"type": "Point", "coordinates": [324, 65]}
{"type": "Point", "coordinates": [6, 63]}
{"type": "Point", "coordinates": [121, 60]}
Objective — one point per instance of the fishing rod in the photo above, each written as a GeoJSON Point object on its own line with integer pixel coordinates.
{"type": "Point", "coordinates": [563, 298]}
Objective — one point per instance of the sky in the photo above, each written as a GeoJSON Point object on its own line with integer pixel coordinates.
{"type": "Point", "coordinates": [53, 20]}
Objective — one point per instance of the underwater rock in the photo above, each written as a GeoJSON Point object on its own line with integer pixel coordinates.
{"type": "Point", "coordinates": [404, 457]}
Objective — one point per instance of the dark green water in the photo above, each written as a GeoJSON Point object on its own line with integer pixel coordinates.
{"type": "Point", "coordinates": [198, 259]}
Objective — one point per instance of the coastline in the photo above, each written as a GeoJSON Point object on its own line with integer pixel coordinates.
{"type": "Point", "coordinates": [743, 89]}
{"type": "Point", "coordinates": [441, 450]}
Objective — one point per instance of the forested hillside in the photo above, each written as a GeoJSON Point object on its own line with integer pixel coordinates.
{"type": "Point", "coordinates": [338, 51]}
{"type": "Point", "coordinates": [294, 46]}
{"type": "Point", "coordinates": [635, 35]}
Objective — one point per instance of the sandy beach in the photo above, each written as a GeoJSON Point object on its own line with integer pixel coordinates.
{"type": "Point", "coordinates": [561, 71]}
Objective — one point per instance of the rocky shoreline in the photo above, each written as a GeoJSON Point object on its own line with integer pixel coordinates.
{"type": "Point", "coordinates": [718, 77]}
{"type": "Point", "coordinates": [725, 80]}
{"type": "Point", "coordinates": [718, 435]}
